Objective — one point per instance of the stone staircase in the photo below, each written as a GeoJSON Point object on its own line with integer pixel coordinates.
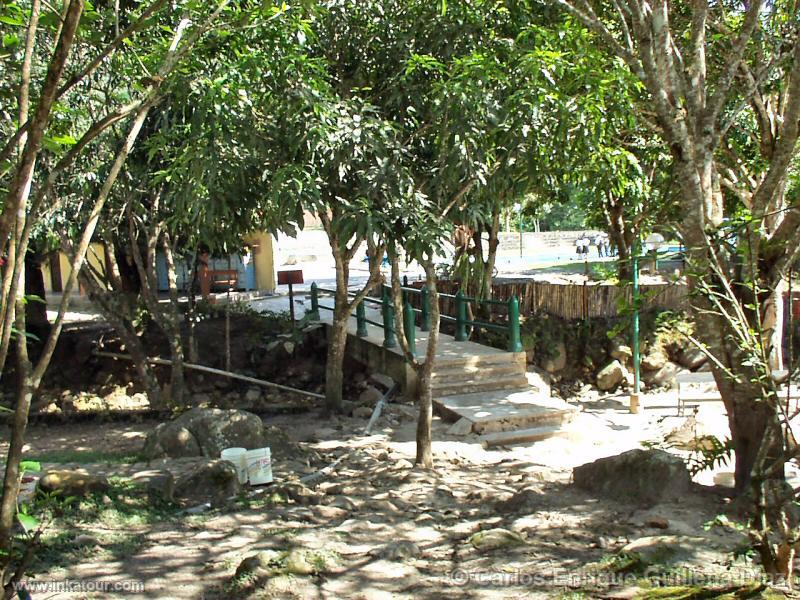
{"type": "Point", "coordinates": [472, 374]}
{"type": "Point", "coordinates": [495, 397]}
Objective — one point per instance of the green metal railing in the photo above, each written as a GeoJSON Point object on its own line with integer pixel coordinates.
{"type": "Point", "coordinates": [511, 328]}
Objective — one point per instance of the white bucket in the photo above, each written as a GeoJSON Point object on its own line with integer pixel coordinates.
{"type": "Point", "coordinates": [236, 456]}
{"type": "Point", "coordinates": [259, 466]}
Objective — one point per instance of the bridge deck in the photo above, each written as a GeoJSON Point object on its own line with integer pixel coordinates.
{"type": "Point", "coordinates": [447, 348]}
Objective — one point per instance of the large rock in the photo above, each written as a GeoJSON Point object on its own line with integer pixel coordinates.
{"type": "Point", "coordinates": [77, 483]}
{"type": "Point", "coordinates": [638, 476]}
{"type": "Point", "coordinates": [654, 360]}
{"type": "Point", "coordinates": [211, 481]}
{"type": "Point", "coordinates": [622, 352]}
{"type": "Point", "coordinates": [666, 376]}
{"type": "Point", "coordinates": [559, 360]}
{"type": "Point", "coordinates": [205, 432]}
{"type": "Point", "coordinates": [692, 359]}
{"type": "Point", "coordinates": [669, 550]}
{"type": "Point", "coordinates": [610, 376]}
{"type": "Point", "coordinates": [159, 483]}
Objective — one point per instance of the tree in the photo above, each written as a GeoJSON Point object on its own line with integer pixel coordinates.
{"type": "Point", "coordinates": [711, 71]}
{"type": "Point", "coordinates": [19, 215]}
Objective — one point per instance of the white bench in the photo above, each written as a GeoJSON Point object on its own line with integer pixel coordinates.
{"type": "Point", "coordinates": [701, 387]}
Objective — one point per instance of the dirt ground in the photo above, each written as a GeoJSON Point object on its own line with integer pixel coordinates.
{"type": "Point", "coordinates": [379, 528]}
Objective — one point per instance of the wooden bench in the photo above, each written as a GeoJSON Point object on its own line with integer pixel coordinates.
{"type": "Point", "coordinates": [689, 382]}
{"type": "Point", "coordinates": [227, 277]}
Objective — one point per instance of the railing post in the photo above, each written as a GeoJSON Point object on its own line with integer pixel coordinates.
{"type": "Point", "coordinates": [405, 285]}
{"type": "Point", "coordinates": [389, 339]}
{"type": "Point", "coordinates": [361, 320]}
{"type": "Point", "coordinates": [314, 302]}
{"type": "Point", "coordinates": [461, 317]}
{"type": "Point", "coordinates": [514, 339]}
{"type": "Point", "coordinates": [425, 316]}
{"type": "Point", "coordinates": [409, 325]}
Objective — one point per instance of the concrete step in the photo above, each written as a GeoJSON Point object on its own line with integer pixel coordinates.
{"type": "Point", "coordinates": [462, 374]}
{"type": "Point", "coordinates": [468, 386]}
{"type": "Point", "coordinates": [504, 410]}
{"type": "Point", "coordinates": [479, 360]}
{"type": "Point", "coordinates": [524, 436]}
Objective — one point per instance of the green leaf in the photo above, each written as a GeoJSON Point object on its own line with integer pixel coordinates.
{"type": "Point", "coordinates": [30, 466]}
{"type": "Point", "coordinates": [444, 7]}
{"type": "Point", "coordinates": [28, 522]}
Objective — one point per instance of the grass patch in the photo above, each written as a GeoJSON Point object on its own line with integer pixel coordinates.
{"type": "Point", "coordinates": [730, 592]}
{"type": "Point", "coordinates": [84, 457]}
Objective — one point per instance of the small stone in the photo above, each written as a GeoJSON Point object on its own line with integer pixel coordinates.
{"type": "Point", "coordinates": [289, 347]}
{"type": "Point", "coordinates": [657, 523]}
{"type": "Point", "coordinates": [403, 464]}
{"type": "Point", "coordinates": [252, 395]}
{"type": "Point", "coordinates": [362, 412]}
{"type": "Point", "coordinates": [85, 540]}
{"type": "Point", "coordinates": [602, 542]}
{"type": "Point", "coordinates": [461, 427]}
{"type": "Point", "coordinates": [398, 551]}
{"type": "Point", "coordinates": [491, 539]}
{"type": "Point", "coordinates": [297, 563]}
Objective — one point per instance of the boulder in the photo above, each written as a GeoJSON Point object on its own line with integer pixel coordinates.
{"type": "Point", "coordinates": [669, 550]}
{"type": "Point", "coordinates": [158, 482]}
{"type": "Point", "coordinates": [252, 395]}
{"type": "Point", "coordinates": [382, 380]}
{"type": "Point", "coordinates": [666, 376]}
{"type": "Point", "coordinates": [362, 412]}
{"type": "Point", "coordinates": [258, 567]}
{"type": "Point", "coordinates": [461, 427]}
{"type": "Point", "coordinates": [559, 360]}
{"type": "Point", "coordinates": [211, 481]}
{"type": "Point", "coordinates": [654, 361]}
{"type": "Point", "coordinates": [77, 483]}
{"type": "Point", "coordinates": [643, 477]}
{"type": "Point", "coordinates": [610, 376]}
{"type": "Point", "coordinates": [370, 396]}
{"type": "Point", "coordinates": [692, 359]}
{"type": "Point", "coordinates": [622, 352]}
{"type": "Point", "coordinates": [204, 432]}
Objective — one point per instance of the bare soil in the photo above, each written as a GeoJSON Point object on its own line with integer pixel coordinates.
{"type": "Point", "coordinates": [379, 528]}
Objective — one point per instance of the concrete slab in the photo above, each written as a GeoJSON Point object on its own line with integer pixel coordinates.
{"type": "Point", "coordinates": [505, 409]}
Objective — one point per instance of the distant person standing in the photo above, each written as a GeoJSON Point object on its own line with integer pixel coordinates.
{"type": "Point", "coordinates": [598, 242]}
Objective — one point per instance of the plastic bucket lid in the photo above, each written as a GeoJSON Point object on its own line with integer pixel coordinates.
{"type": "Point", "coordinates": [259, 465]}
{"type": "Point", "coordinates": [236, 456]}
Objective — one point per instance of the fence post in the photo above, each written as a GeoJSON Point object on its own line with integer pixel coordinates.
{"type": "Point", "coordinates": [425, 316]}
{"type": "Point", "coordinates": [389, 339]}
{"type": "Point", "coordinates": [314, 302]}
{"type": "Point", "coordinates": [514, 340]}
{"type": "Point", "coordinates": [409, 325]}
{"type": "Point", "coordinates": [405, 285]}
{"type": "Point", "coordinates": [361, 320]}
{"type": "Point", "coordinates": [461, 317]}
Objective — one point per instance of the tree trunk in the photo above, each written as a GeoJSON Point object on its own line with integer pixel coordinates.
{"type": "Point", "coordinates": [35, 311]}
{"type": "Point", "coordinates": [25, 391]}
{"type": "Point", "coordinates": [337, 341]}
{"type": "Point", "coordinates": [424, 457]}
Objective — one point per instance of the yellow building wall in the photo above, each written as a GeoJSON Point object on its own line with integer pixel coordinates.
{"type": "Point", "coordinates": [95, 256]}
{"type": "Point", "coordinates": [263, 260]}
